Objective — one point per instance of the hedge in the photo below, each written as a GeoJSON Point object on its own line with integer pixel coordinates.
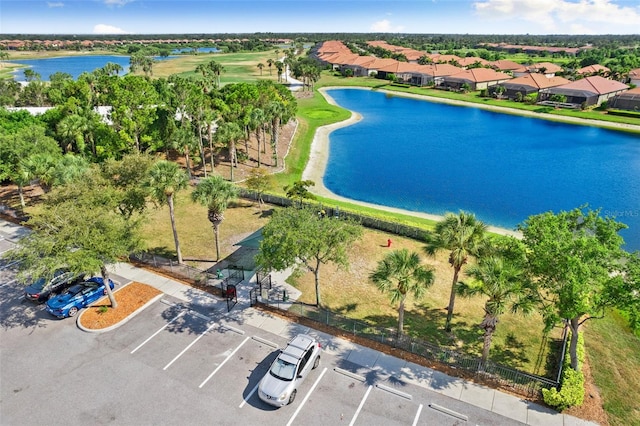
{"type": "Point", "coordinates": [571, 383]}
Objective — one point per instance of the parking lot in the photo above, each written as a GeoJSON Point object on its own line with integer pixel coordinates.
{"type": "Point", "coordinates": [180, 364]}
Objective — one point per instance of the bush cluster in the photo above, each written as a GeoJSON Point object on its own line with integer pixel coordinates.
{"type": "Point", "coordinates": [571, 383]}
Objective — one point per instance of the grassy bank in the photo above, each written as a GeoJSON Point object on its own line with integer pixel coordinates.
{"type": "Point", "coordinates": [614, 354]}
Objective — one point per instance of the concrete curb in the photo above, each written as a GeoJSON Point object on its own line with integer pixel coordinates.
{"type": "Point", "coordinates": [123, 321]}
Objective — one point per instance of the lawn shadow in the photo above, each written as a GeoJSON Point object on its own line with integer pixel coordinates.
{"type": "Point", "coordinates": [512, 353]}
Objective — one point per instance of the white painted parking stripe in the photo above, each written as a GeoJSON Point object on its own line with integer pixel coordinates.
{"type": "Point", "coordinates": [415, 420]}
{"type": "Point", "coordinates": [307, 396]}
{"type": "Point", "coordinates": [156, 333]}
{"type": "Point", "coordinates": [9, 264]}
{"type": "Point", "coordinates": [190, 344]}
{"type": "Point", "coordinates": [244, 401]}
{"type": "Point", "coordinates": [224, 362]}
{"type": "Point", "coordinates": [364, 398]}
{"type": "Point", "coordinates": [8, 282]}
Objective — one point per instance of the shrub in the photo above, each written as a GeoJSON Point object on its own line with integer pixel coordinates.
{"type": "Point", "coordinates": [571, 384]}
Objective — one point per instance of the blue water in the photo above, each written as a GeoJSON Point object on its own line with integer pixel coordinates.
{"type": "Point", "coordinates": [434, 158]}
{"type": "Point", "coordinates": [74, 65]}
{"type": "Point", "coordinates": [199, 50]}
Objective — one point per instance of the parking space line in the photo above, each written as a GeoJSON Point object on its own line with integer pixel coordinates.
{"type": "Point", "coordinates": [415, 420]}
{"type": "Point", "coordinates": [156, 333]}
{"type": "Point", "coordinates": [190, 344]}
{"type": "Point", "coordinates": [8, 282]}
{"type": "Point", "coordinates": [364, 398]}
{"type": "Point", "coordinates": [244, 401]}
{"type": "Point", "coordinates": [9, 264]}
{"type": "Point", "coordinates": [224, 362]}
{"type": "Point", "coordinates": [307, 396]}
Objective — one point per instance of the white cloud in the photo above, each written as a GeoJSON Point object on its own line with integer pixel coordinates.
{"type": "Point", "coordinates": [564, 15]}
{"type": "Point", "coordinates": [56, 4]}
{"type": "Point", "coordinates": [385, 26]}
{"type": "Point", "coordinates": [108, 29]}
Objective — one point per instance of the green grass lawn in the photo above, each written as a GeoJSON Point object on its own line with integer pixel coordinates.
{"type": "Point", "coordinates": [614, 355]}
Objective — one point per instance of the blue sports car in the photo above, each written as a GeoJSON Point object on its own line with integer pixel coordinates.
{"type": "Point", "coordinates": [77, 297]}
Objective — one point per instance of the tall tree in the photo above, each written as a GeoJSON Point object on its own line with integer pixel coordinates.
{"type": "Point", "coordinates": [506, 287]}
{"type": "Point", "coordinates": [215, 194]}
{"type": "Point", "coordinates": [577, 259]}
{"type": "Point", "coordinates": [462, 235]}
{"type": "Point", "coordinates": [228, 134]}
{"type": "Point", "coordinates": [164, 181]}
{"type": "Point", "coordinates": [78, 227]}
{"type": "Point", "coordinates": [302, 237]}
{"type": "Point", "coordinates": [259, 181]}
{"type": "Point", "coordinates": [401, 273]}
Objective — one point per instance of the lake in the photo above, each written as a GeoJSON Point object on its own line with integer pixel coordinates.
{"type": "Point", "coordinates": [74, 65]}
{"type": "Point", "coordinates": [198, 49]}
{"type": "Point", "coordinates": [435, 158]}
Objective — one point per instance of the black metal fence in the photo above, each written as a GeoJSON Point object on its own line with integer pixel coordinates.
{"type": "Point", "coordinates": [368, 221]}
{"type": "Point", "coordinates": [518, 381]}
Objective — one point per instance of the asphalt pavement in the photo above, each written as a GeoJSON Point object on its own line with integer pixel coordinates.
{"type": "Point", "coordinates": [498, 402]}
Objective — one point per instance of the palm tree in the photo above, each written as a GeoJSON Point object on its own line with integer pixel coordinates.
{"type": "Point", "coordinates": [260, 66]}
{"type": "Point", "coordinates": [270, 64]}
{"type": "Point", "coordinates": [215, 193]}
{"type": "Point", "coordinates": [165, 180]}
{"type": "Point", "coordinates": [403, 268]}
{"type": "Point", "coordinates": [229, 133]}
{"type": "Point", "coordinates": [504, 283]}
{"type": "Point", "coordinates": [463, 236]}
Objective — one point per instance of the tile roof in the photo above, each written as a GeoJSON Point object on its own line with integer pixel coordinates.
{"type": "Point", "coordinates": [592, 69]}
{"type": "Point", "coordinates": [445, 58]}
{"type": "Point", "coordinates": [479, 75]}
{"type": "Point", "coordinates": [505, 65]}
{"type": "Point", "coordinates": [634, 73]}
{"type": "Point", "coordinates": [549, 68]}
{"type": "Point", "coordinates": [471, 60]}
{"type": "Point", "coordinates": [440, 70]}
{"type": "Point", "coordinates": [595, 84]}
{"type": "Point", "coordinates": [536, 80]}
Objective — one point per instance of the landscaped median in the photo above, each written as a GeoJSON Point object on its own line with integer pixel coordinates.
{"type": "Point", "coordinates": [132, 298]}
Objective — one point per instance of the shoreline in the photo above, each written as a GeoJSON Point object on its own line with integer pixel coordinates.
{"type": "Point", "coordinates": [319, 152]}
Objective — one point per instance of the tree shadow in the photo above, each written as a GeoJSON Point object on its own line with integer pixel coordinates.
{"type": "Point", "coordinates": [349, 307]}
{"type": "Point", "coordinates": [512, 353]}
{"type": "Point", "coordinates": [263, 214]}
{"type": "Point", "coordinates": [18, 312]}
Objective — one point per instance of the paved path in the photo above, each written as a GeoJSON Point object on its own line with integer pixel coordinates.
{"type": "Point", "coordinates": [490, 399]}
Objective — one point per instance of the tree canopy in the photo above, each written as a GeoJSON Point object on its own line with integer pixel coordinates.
{"type": "Point", "coordinates": [302, 236]}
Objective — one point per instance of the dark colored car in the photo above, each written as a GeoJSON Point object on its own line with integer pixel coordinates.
{"type": "Point", "coordinates": [42, 289]}
{"type": "Point", "coordinates": [77, 297]}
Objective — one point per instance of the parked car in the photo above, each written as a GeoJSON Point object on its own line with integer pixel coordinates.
{"type": "Point", "coordinates": [42, 289]}
{"type": "Point", "coordinates": [280, 385]}
{"type": "Point", "coordinates": [77, 297]}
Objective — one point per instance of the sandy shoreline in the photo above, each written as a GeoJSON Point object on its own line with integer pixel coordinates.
{"type": "Point", "coordinates": [319, 155]}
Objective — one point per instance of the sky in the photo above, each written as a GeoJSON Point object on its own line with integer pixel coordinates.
{"type": "Point", "coordinates": [322, 16]}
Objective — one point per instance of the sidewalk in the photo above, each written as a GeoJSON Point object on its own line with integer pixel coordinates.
{"type": "Point", "coordinates": [383, 365]}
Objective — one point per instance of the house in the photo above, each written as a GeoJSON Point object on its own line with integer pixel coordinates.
{"type": "Point", "coordinates": [629, 100]}
{"type": "Point", "coordinates": [593, 70]}
{"type": "Point", "coordinates": [472, 60]}
{"type": "Point", "coordinates": [585, 92]}
{"type": "Point", "coordinates": [403, 71]}
{"type": "Point", "coordinates": [434, 74]}
{"type": "Point", "coordinates": [634, 77]}
{"type": "Point", "coordinates": [547, 68]}
{"type": "Point", "coordinates": [504, 65]}
{"type": "Point", "coordinates": [530, 83]}
{"type": "Point", "coordinates": [476, 79]}
{"type": "Point", "coordinates": [445, 59]}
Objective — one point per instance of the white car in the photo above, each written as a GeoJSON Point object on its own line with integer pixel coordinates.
{"type": "Point", "coordinates": [280, 385]}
